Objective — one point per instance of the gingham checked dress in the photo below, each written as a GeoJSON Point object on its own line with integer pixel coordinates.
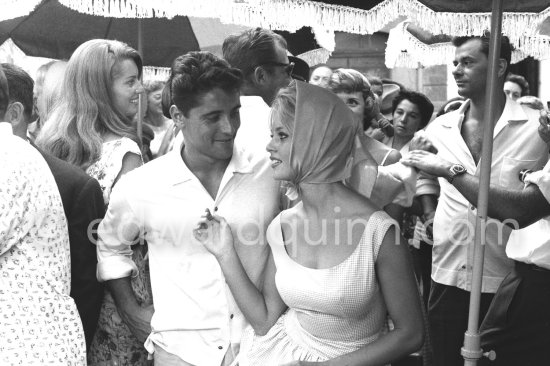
{"type": "Point", "coordinates": [332, 311]}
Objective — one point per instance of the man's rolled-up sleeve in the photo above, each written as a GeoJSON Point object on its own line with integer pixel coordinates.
{"type": "Point", "coordinates": [407, 176]}
{"type": "Point", "coordinates": [118, 231]}
{"type": "Point", "coordinates": [427, 184]}
{"type": "Point", "coordinates": [394, 183]}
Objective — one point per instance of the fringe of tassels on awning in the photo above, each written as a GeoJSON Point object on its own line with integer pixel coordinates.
{"type": "Point", "coordinates": [291, 15]}
{"type": "Point", "coordinates": [156, 73]}
{"type": "Point", "coordinates": [325, 19]}
{"type": "Point", "coordinates": [403, 49]}
{"type": "Point", "coordinates": [314, 57]}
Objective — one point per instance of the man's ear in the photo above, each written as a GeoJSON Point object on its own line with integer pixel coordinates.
{"type": "Point", "coordinates": [260, 75]}
{"type": "Point", "coordinates": [177, 116]}
{"type": "Point", "coordinates": [502, 65]}
{"type": "Point", "coordinates": [15, 113]}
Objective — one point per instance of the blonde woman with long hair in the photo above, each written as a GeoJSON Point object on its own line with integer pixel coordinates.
{"type": "Point", "coordinates": [91, 127]}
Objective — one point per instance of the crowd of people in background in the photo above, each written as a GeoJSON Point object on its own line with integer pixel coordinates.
{"type": "Point", "coordinates": [259, 211]}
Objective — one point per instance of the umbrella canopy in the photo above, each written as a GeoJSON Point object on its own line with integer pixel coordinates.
{"type": "Point", "coordinates": [53, 30]}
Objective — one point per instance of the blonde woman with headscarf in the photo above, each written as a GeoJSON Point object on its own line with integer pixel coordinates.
{"type": "Point", "coordinates": [335, 270]}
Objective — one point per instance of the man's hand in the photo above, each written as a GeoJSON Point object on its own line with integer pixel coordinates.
{"type": "Point", "coordinates": [544, 127]}
{"type": "Point", "coordinates": [421, 142]}
{"type": "Point", "coordinates": [427, 162]}
{"type": "Point", "coordinates": [139, 321]}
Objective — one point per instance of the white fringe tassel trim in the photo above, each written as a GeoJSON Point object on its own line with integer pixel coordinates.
{"type": "Point", "coordinates": [151, 8]}
{"type": "Point", "coordinates": [156, 73]}
{"type": "Point", "coordinates": [112, 8]}
{"type": "Point", "coordinates": [291, 15]}
{"type": "Point", "coordinates": [314, 57]}
{"type": "Point", "coordinates": [405, 50]}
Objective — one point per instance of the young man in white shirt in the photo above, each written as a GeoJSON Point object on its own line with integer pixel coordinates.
{"type": "Point", "coordinates": [196, 320]}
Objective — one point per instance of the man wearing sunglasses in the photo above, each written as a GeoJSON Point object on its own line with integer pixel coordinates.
{"type": "Point", "coordinates": [261, 55]}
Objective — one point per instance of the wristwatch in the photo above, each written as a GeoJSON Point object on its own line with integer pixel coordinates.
{"type": "Point", "coordinates": [455, 170]}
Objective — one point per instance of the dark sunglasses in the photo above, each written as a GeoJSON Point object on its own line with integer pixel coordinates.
{"type": "Point", "coordinates": [287, 67]}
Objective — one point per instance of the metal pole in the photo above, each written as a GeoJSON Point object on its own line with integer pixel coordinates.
{"type": "Point", "coordinates": [472, 351]}
{"type": "Point", "coordinates": [141, 100]}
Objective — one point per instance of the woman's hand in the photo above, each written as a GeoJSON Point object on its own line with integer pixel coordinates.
{"type": "Point", "coordinates": [215, 234]}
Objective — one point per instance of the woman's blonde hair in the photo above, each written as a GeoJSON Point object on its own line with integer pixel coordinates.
{"type": "Point", "coordinates": [85, 112]}
{"type": "Point", "coordinates": [283, 107]}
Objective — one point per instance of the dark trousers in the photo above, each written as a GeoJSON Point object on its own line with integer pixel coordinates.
{"type": "Point", "coordinates": [448, 315]}
{"type": "Point", "coordinates": [517, 326]}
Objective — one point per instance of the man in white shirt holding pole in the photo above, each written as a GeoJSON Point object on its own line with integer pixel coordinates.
{"type": "Point", "coordinates": [458, 138]}
{"type": "Point", "coordinates": [517, 323]}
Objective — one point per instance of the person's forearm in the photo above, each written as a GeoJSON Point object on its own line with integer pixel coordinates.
{"type": "Point", "coordinates": [249, 299]}
{"type": "Point", "coordinates": [135, 316]}
{"type": "Point", "coordinates": [395, 211]}
{"type": "Point", "coordinates": [416, 207]}
{"type": "Point", "coordinates": [429, 203]}
{"type": "Point", "coordinates": [521, 206]}
{"type": "Point", "coordinates": [524, 207]}
{"type": "Point", "coordinates": [388, 348]}
{"type": "Point", "coordinates": [124, 297]}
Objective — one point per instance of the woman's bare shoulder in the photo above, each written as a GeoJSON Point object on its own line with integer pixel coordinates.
{"type": "Point", "coordinates": [357, 204]}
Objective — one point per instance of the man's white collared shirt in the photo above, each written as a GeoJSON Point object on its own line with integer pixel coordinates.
{"type": "Point", "coordinates": [516, 146]}
{"type": "Point", "coordinates": [196, 317]}
{"type": "Point", "coordinates": [254, 133]}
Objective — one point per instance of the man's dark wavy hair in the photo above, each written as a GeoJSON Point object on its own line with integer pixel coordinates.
{"type": "Point", "coordinates": [195, 74]}
{"type": "Point", "coordinates": [505, 46]}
